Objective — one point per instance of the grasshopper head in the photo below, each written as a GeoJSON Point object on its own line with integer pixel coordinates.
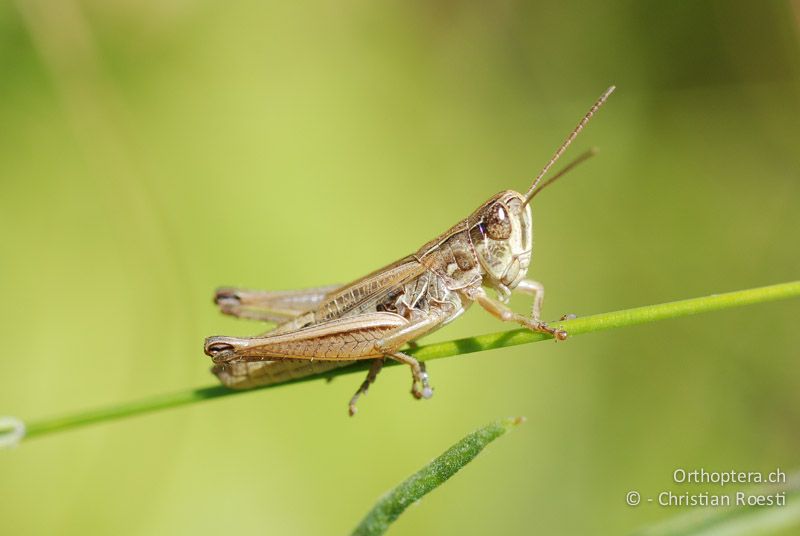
{"type": "Point", "coordinates": [501, 229]}
{"type": "Point", "coordinates": [502, 235]}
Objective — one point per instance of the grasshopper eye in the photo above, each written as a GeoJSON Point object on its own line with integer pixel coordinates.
{"type": "Point", "coordinates": [498, 224]}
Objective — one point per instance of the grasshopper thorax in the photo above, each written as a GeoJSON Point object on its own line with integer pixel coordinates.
{"type": "Point", "coordinates": [501, 231]}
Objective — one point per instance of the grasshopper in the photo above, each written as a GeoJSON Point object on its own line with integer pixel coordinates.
{"type": "Point", "coordinates": [373, 318]}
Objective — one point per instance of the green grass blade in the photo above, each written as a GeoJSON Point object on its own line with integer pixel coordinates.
{"type": "Point", "coordinates": [390, 506]}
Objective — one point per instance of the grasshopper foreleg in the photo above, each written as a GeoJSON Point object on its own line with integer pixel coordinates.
{"type": "Point", "coordinates": [501, 312]}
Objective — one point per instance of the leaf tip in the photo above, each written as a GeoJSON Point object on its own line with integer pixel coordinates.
{"type": "Point", "coordinates": [510, 422]}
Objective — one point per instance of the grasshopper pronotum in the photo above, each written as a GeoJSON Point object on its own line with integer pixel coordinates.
{"type": "Point", "coordinates": [323, 328]}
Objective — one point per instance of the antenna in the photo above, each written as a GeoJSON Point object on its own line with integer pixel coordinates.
{"type": "Point", "coordinates": [570, 138]}
{"type": "Point", "coordinates": [569, 167]}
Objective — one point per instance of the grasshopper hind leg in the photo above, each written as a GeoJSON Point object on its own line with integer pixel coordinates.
{"type": "Point", "coordinates": [269, 306]}
{"type": "Point", "coordinates": [372, 375]}
{"type": "Point", "coordinates": [420, 388]}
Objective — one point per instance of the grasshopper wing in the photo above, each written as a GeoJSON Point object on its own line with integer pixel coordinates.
{"type": "Point", "coordinates": [368, 293]}
{"type": "Point", "coordinates": [344, 339]}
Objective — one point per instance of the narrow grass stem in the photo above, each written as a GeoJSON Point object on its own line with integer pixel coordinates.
{"type": "Point", "coordinates": [578, 326]}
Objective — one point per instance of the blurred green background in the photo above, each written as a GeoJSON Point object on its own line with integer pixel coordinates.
{"type": "Point", "coordinates": [151, 151]}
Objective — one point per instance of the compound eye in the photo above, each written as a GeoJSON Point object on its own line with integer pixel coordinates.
{"type": "Point", "coordinates": [498, 224]}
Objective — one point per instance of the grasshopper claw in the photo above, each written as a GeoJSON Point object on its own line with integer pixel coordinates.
{"type": "Point", "coordinates": [558, 334]}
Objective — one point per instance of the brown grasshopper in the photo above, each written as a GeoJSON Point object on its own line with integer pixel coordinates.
{"type": "Point", "coordinates": [323, 328]}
